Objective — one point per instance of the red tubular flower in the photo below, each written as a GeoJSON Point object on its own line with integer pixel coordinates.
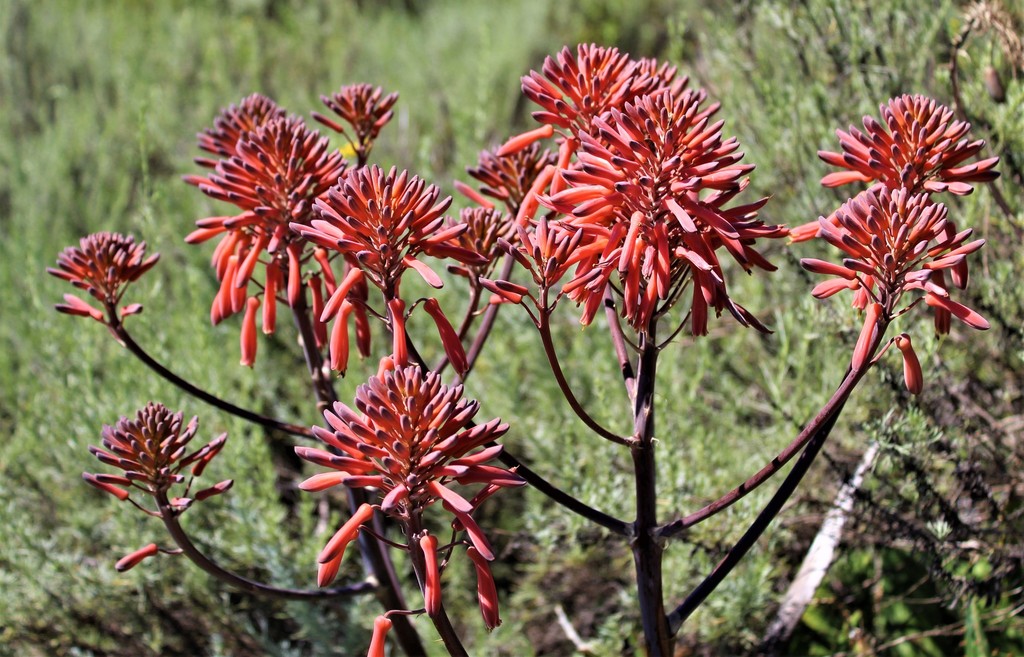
{"type": "Point", "coordinates": [103, 265]}
{"type": "Point", "coordinates": [898, 242]}
{"type": "Point", "coordinates": [920, 148]}
{"type": "Point", "coordinates": [410, 440]}
{"type": "Point", "coordinates": [232, 123]}
{"type": "Point", "coordinates": [912, 374]}
{"type": "Point", "coordinates": [431, 575]}
{"type": "Point", "coordinates": [151, 451]}
{"type": "Point", "coordinates": [381, 625]}
{"type": "Point", "coordinates": [508, 178]}
{"type": "Point", "coordinates": [135, 558]}
{"type": "Point", "coordinates": [649, 192]}
{"type": "Point", "coordinates": [486, 592]}
{"type": "Point", "coordinates": [362, 107]}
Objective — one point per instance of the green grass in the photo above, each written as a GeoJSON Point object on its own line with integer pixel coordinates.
{"type": "Point", "coordinates": [99, 103]}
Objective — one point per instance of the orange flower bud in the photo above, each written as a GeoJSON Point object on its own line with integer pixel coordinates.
{"type": "Point", "coordinates": [486, 592]}
{"type": "Point", "coordinates": [273, 284]}
{"type": "Point", "coordinates": [868, 333]}
{"type": "Point", "coordinates": [519, 142]}
{"type": "Point", "coordinates": [346, 534]}
{"type": "Point", "coordinates": [381, 625]}
{"type": "Point", "coordinates": [133, 559]}
{"type": "Point", "coordinates": [449, 338]}
{"type": "Point", "coordinates": [911, 365]}
{"type": "Point", "coordinates": [248, 336]}
{"type": "Point", "coordinates": [431, 575]}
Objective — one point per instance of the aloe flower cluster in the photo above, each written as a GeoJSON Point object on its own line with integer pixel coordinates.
{"type": "Point", "coordinates": [382, 221]}
{"type": "Point", "coordinates": [899, 242]}
{"type": "Point", "coordinates": [151, 450]}
{"type": "Point", "coordinates": [636, 210]}
{"type": "Point", "coordinates": [411, 439]}
{"type": "Point", "coordinates": [103, 264]}
{"type": "Point", "coordinates": [642, 192]}
{"type": "Point", "coordinates": [273, 168]}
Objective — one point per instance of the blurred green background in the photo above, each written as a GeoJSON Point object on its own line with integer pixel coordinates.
{"type": "Point", "coordinates": [99, 104]}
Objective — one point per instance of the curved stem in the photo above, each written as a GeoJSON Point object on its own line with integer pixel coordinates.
{"type": "Point", "coordinates": [170, 518]}
{"type": "Point", "coordinates": [563, 384]}
{"type": "Point", "coordinates": [770, 511]}
{"type": "Point", "coordinates": [824, 421]}
{"type": "Point", "coordinates": [827, 412]}
{"type": "Point", "coordinates": [125, 339]}
{"type": "Point", "coordinates": [558, 495]}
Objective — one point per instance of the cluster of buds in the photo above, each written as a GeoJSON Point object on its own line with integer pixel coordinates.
{"type": "Point", "coordinates": [151, 451]}
{"type": "Point", "coordinates": [103, 264]}
{"type": "Point", "coordinates": [643, 182]}
{"type": "Point", "coordinates": [897, 239]}
{"type": "Point", "coordinates": [273, 168]}
{"type": "Point", "coordinates": [365, 109]}
{"type": "Point", "coordinates": [381, 221]}
{"type": "Point", "coordinates": [410, 438]}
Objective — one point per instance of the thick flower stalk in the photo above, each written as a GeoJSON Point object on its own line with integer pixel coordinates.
{"type": "Point", "coordinates": [897, 243]}
{"type": "Point", "coordinates": [650, 194]}
{"type": "Point", "coordinates": [151, 451]}
{"type": "Point", "coordinates": [103, 264]}
{"type": "Point", "coordinates": [365, 109]}
{"type": "Point", "coordinates": [410, 438]}
{"type": "Point", "coordinates": [381, 222]}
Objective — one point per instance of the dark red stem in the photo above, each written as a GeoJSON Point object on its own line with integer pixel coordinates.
{"type": "Point", "coordinates": [170, 518]}
{"type": "Point", "coordinates": [647, 547]}
{"type": "Point", "coordinates": [831, 408]}
{"type": "Point", "coordinates": [125, 339]}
